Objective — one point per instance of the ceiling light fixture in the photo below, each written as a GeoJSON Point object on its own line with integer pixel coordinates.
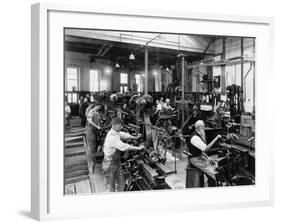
{"type": "Point", "coordinates": [132, 56]}
{"type": "Point", "coordinates": [117, 65]}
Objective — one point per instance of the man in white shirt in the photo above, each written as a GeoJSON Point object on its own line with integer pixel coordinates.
{"type": "Point", "coordinates": [198, 140]}
{"type": "Point", "coordinates": [167, 106]}
{"type": "Point", "coordinates": [112, 148]}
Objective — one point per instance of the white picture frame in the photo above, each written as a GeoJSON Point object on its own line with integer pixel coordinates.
{"type": "Point", "coordinates": [48, 201]}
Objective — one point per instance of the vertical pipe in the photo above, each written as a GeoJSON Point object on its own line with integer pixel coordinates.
{"type": "Point", "coordinates": [242, 77]}
{"type": "Point", "coordinates": [223, 55]}
{"type": "Point", "coordinates": [158, 76]}
{"type": "Point", "coordinates": [182, 89]}
{"type": "Point", "coordinates": [146, 71]}
{"type": "Point", "coordinates": [254, 78]}
{"type": "Point", "coordinates": [128, 80]}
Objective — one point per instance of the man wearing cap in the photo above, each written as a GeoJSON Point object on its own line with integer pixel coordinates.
{"type": "Point", "coordinates": [112, 148]}
{"type": "Point", "coordinates": [198, 144]}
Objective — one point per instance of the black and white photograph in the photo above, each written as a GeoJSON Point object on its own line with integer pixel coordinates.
{"type": "Point", "coordinates": [147, 111]}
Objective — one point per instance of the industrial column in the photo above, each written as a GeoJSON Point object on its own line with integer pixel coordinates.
{"type": "Point", "coordinates": [223, 55]}
{"type": "Point", "coordinates": [182, 88]}
{"type": "Point", "coordinates": [146, 71]}
{"type": "Point", "coordinates": [242, 76]}
{"type": "Point", "coordinates": [254, 78]}
{"type": "Point", "coordinates": [146, 64]}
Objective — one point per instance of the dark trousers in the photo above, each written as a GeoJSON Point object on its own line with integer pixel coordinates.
{"type": "Point", "coordinates": [83, 121]}
{"type": "Point", "coordinates": [113, 177]}
{"type": "Point", "coordinates": [91, 136]}
{"type": "Point", "coordinates": [67, 121]}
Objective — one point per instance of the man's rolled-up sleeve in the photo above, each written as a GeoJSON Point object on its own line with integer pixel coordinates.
{"type": "Point", "coordinates": [121, 145]}
{"type": "Point", "coordinates": [124, 135]}
{"type": "Point", "coordinates": [198, 143]}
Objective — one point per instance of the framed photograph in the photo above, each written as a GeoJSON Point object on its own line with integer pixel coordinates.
{"type": "Point", "coordinates": [165, 111]}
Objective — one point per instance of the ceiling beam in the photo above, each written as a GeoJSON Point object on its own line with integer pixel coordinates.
{"type": "Point", "coordinates": [106, 50]}
{"type": "Point", "coordinates": [211, 42]}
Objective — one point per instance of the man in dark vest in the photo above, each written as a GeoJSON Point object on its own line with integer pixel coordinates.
{"type": "Point", "coordinates": [112, 148]}
{"type": "Point", "coordinates": [198, 144]}
{"type": "Point", "coordinates": [198, 149]}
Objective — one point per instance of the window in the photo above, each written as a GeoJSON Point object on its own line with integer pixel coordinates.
{"type": "Point", "coordinates": [123, 78]}
{"type": "Point", "coordinates": [139, 83]}
{"type": "Point", "coordinates": [94, 80]}
{"type": "Point", "coordinates": [123, 82]}
{"type": "Point", "coordinates": [72, 84]}
{"type": "Point", "coordinates": [72, 97]}
{"type": "Point", "coordinates": [123, 89]}
{"type": "Point", "coordinates": [72, 76]}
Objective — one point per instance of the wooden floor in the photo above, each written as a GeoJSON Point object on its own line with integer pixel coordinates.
{"type": "Point", "coordinates": [79, 177]}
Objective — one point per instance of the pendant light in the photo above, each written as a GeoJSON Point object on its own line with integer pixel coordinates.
{"type": "Point", "coordinates": [132, 56]}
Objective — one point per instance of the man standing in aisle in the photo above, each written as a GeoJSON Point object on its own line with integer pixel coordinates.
{"type": "Point", "coordinates": [82, 111]}
{"type": "Point", "coordinates": [93, 127]}
{"type": "Point", "coordinates": [112, 148]}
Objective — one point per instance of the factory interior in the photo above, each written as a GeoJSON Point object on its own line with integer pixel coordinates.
{"type": "Point", "coordinates": [186, 103]}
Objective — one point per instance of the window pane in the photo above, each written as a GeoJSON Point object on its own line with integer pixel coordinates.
{"type": "Point", "coordinates": [94, 80]}
{"type": "Point", "coordinates": [72, 73]}
{"type": "Point", "coordinates": [69, 99]}
{"type": "Point", "coordinates": [121, 89]}
{"type": "Point", "coordinates": [71, 84]}
{"type": "Point", "coordinates": [125, 88]}
{"type": "Point", "coordinates": [71, 76]}
{"type": "Point", "coordinates": [72, 79]}
{"type": "Point", "coordinates": [74, 98]}
{"type": "Point", "coordinates": [123, 78]}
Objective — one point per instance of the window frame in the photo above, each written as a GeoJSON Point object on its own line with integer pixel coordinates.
{"type": "Point", "coordinates": [78, 77]}
{"type": "Point", "coordinates": [99, 79]}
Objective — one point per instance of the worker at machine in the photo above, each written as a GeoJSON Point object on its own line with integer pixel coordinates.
{"type": "Point", "coordinates": [198, 144]}
{"type": "Point", "coordinates": [89, 108]}
{"type": "Point", "coordinates": [112, 148]}
{"type": "Point", "coordinates": [161, 101]}
{"type": "Point", "coordinates": [159, 107]}
{"type": "Point", "coordinates": [93, 127]}
{"type": "Point", "coordinates": [167, 106]}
